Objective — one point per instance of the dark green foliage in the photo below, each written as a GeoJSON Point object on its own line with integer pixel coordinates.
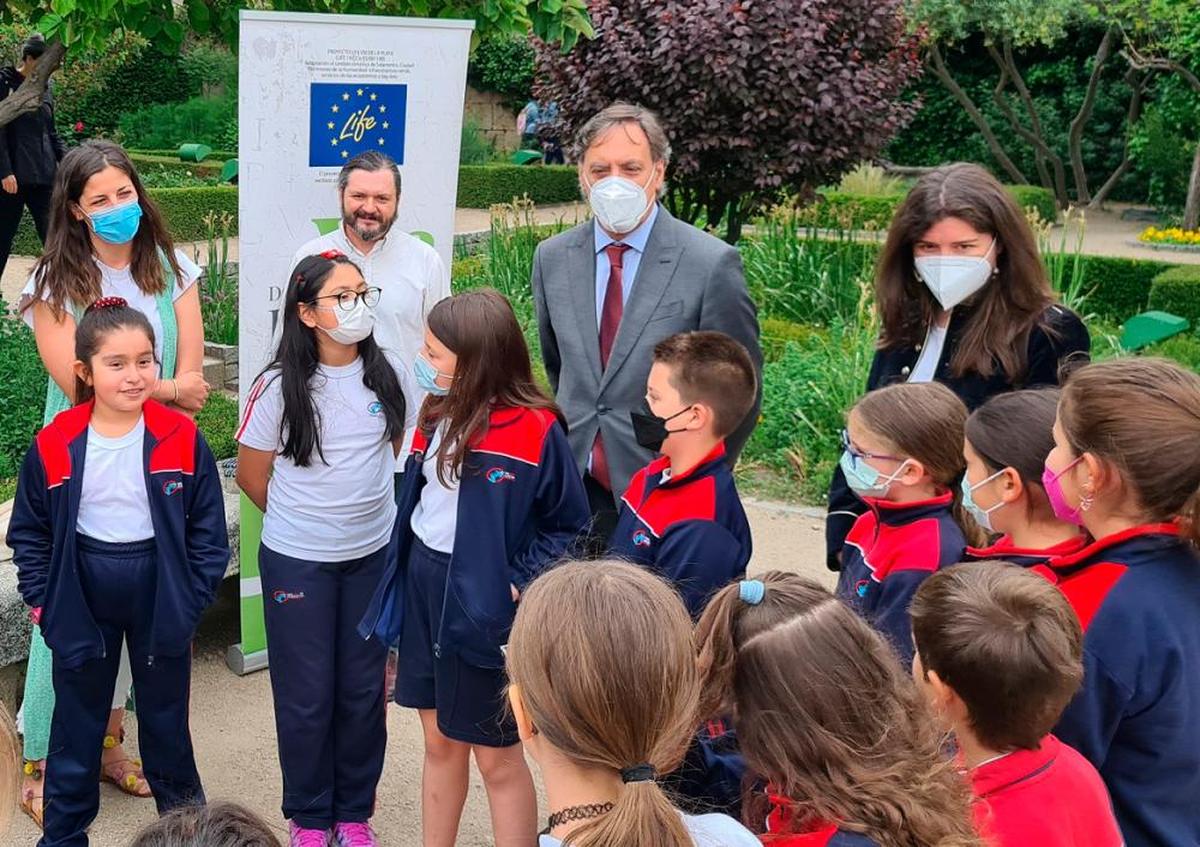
{"type": "Point", "coordinates": [835, 210]}
{"type": "Point", "coordinates": [504, 66]}
{"type": "Point", "coordinates": [480, 186]}
{"type": "Point", "coordinates": [216, 157]}
{"type": "Point", "coordinates": [1120, 287]}
{"type": "Point", "coordinates": [218, 421]}
{"type": "Point", "coordinates": [149, 76]}
{"type": "Point", "coordinates": [1177, 291]}
{"type": "Point", "coordinates": [22, 392]}
{"type": "Point", "coordinates": [1035, 198]}
{"type": "Point", "coordinates": [1184, 349]}
{"type": "Point", "coordinates": [167, 125]}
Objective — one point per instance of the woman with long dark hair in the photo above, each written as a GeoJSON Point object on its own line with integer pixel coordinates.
{"type": "Point", "coordinates": [963, 300]}
{"type": "Point", "coordinates": [106, 239]}
{"type": "Point", "coordinates": [318, 442]}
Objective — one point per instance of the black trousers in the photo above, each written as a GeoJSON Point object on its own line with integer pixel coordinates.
{"type": "Point", "coordinates": [604, 518]}
{"type": "Point", "coordinates": [36, 198]}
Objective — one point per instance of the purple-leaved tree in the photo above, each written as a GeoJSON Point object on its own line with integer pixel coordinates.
{"type": "Point", "coordinates": [759, 97]}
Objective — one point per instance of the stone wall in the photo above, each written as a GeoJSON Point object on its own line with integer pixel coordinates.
{"type": "Point", "coordinates": [493, 117]}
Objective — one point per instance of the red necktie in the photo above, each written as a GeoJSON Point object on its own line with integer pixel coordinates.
{"type": "Point", "coordinates": [610, 320]}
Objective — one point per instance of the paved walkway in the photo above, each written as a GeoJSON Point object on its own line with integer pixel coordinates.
{"type": "Point", "coordinates": [233, 722]}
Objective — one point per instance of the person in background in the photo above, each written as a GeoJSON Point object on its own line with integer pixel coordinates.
{"type": "Point", "coordinates": [964, 300]}
{"type": "Point", "coordinates": [998, 657]}
{"type": "Point", "coordinates": [608, 290]}
{"type": "Point", "coordinates": [30, 150]}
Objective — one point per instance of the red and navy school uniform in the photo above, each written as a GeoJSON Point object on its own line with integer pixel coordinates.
{"type": "Point", "coordinates": [1003, 550]}
{"type": "Point", "coordinates": [780, 823]}
{"type": "Point", "coordinates": [521, 508]}
{"type": "Point", "coordinates": [889, 552]}
{"type": "Point", "coordinates": [94, 595]}
{"type": "Point", "coordinates": [1051, 797]}
{"type": "Point", "coordinates": [1137, 716]}
{"type": "Point", "coordinates": [690, 528]}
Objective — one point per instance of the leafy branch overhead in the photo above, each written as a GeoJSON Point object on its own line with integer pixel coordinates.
{"type": "Point", "coordinates": [72, 26]}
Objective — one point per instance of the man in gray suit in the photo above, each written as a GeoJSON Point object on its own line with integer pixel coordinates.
{"type": "Point", "coordinates": [610, 289]}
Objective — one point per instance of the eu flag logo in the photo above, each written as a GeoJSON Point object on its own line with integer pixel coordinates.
{"type": "Point", "coordinates": [346, 119]}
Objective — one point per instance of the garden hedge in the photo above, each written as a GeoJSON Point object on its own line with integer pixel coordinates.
{"type": "Point", "coordinates": [481, 186]}
{"type": "Point", "coordinates": [1120, 288]}
{"type": "Point", "coordinates": [836, 210]}
{"type": "Point", "coordinates": [218, 156]}
{"type": "Point", "coordinates": [1177, 290]}
{"type": "Point", "coordinates": [183, 208]}
{"type": "Point", "coordinates": [207, 168]}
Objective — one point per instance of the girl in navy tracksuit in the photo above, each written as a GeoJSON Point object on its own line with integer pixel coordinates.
{"type": "Point", "coordinates": [490, 498]}
{"type": "Point", "coordinates": [1006, 443]}
{"type": "Point", "coordinates": [319, 437]}
{"type": "Point", "coordinates": [841, 739]}
{"type": "Point", "coordinates": [1126, 467]}
{"type": "Point", "coordinates": [903, 457]}
{"type": "Point", "coordinates": [118, 534]}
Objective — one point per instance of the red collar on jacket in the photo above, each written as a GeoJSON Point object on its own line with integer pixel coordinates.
{"type": "Point", "coordinates": [662, 463]}
{"type": "Point", "coordinates": [1094, 550]}
{"type": "Point", "coordinates": [517, 433]}
{"type": "Point", "coordinates": [55, 439]}
{"type": "Point", "coordinates": [897, 514]}
{"type": "Point", "coordinates": [1019, 765]}
{"type": "Point", "coordinates": [1005, 547]}
{"type": "Point", "coordinates": [780, 822]}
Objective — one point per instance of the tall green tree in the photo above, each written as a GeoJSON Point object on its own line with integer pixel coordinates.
{"type": "Point", "coordinates": [75, 25]}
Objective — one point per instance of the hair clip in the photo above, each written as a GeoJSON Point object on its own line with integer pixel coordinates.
{"type": "Point", "coordinates": [108, 303]}
{"type": "Point", "coordinates": [644, 772]}
{"type": "Point", "coordinates": [751, 591]}
{"type": "Point", "coordinates": [332, 253]}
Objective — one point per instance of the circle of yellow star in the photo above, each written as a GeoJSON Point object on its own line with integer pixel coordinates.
{"type": "Point", "coordinates": [360, 92]}
{"type": "Point", "coordinates": [386, 125]}
{"type": "Point", "coordinates": [329, 125]}
{"type": "Point", "coordinates": [345, 154]}
{"type": "Point", "coordinates": [374, 96]}
{"type": "Point", "coordinates": [380, 142]}
{"type": "Point", "coordinates": [345, 95]}
{"type": "Point", "coordinates": [382, 109]}
{"type": "Point", "coordinates": [333, 142]}
{"type": "Point", "coordinates": [335, 108]}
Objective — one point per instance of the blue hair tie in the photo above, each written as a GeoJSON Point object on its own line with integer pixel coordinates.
{"type": "Point", "coordinates": [751, 591]}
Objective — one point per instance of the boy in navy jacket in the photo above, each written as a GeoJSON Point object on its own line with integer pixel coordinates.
{"type": "Point", "coordinates": [999, 656]}
{"type": "Point", "coordinates": [681, 515]}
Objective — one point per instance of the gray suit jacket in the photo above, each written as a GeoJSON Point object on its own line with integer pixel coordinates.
{"type": "Point", "coordinates": [686, 280]}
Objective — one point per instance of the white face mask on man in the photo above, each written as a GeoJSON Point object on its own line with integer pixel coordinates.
{"type": "Point", "coordinates": [952, 279]}
{"type": "Point", "coordinates": [619, 203]}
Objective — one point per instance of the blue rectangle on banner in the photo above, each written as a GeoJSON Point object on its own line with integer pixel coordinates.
{"type": "Point", "coordinates": [349, 118]}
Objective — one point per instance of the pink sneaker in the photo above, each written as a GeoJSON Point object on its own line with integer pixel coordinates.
{"type": "Point", "coordinates": [354, 835]}
{"type": "Point", "coordinates": [298, 836]}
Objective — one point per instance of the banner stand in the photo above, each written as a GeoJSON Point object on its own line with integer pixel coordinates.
{"type": "Point", "coordinates": [315, 90]}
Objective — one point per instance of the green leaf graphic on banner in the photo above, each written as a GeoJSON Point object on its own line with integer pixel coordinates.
{"type": "Point", "coordinates": [424, 236]}
{"type": "Point", "coordinates": [326, 225]}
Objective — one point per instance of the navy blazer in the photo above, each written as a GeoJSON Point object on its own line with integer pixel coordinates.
{"type": "Point", "coordinates": [187, 510]}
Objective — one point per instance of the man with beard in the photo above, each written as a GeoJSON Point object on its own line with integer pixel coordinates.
{"type": "Point", "coordinates": [409, 273]}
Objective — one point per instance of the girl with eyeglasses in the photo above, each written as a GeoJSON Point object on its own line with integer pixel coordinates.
{"type": "Point", "coordinates": [318, 443]}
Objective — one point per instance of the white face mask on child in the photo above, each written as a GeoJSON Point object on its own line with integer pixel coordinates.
{"type": "Point", "coordinates": [354, 325]}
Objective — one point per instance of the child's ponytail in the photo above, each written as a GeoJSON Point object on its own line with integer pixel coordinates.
{"type": "Point", "coordinates": [106, 315]}
{"type": "Point", "coordinates": [601, 658]}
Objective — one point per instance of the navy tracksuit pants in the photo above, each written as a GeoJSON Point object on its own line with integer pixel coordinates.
{"type": "Point", "coordinates": [118, 584]}
{"type": "Point", "coordinates": [328, 685]}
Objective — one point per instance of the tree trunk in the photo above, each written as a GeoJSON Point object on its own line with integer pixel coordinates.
{"type": "Point", "coordinates": [947, 79]}
{"type": "Point", "coordinates": [1135, 110]}
{"type": "Point", "coordinates": [1060, 177]}
{"type": "Point", "coordinates": [28, 98]}
{"type": "Point", "coordinates": [1075, 135]}
{"type": "Point", "coordinates": [1191, 211]}
{"type": "Point", "coordinates": [1035, 137]}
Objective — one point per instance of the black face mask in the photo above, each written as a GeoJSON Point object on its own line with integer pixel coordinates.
{"type": "Point", "coordinates": [650, 430]}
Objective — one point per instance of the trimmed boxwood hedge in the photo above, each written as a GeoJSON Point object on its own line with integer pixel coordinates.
{"type": "Point", "coordinates": [218, 156]}
{"type": "Point", "coordinates": [836, 210]}
{"type": "Point", "coordinates": [1120, 287]}
{"type": "Point", "coordinates": [183, 208]}
{"type": "Point", "coordinates": [1177, 290]}
{"type": "Point", "coordinates": [481, 186]}
{"type": "Point", "coordinates": [207, 168]}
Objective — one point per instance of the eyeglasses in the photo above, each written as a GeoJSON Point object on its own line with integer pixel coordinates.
{"type": "Point", "coordinates": [856, 454]}
{"type": "Point", "coordinates": [348, 299]}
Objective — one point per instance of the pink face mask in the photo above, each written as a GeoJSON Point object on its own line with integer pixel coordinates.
{"type": "Point", "coordinates": [1058, 501]}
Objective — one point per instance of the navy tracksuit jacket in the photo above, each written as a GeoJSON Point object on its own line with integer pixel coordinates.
{"type": "Point", "coordinates": [889, 552]}
{"type": "Point", "coordinates": [1003, 550]}
{"type": "Point", "coordinates": [95, 595]}
{"type": "Point", "coordinates": [690, 528]}
{"type": "Point", "coordinates": [1137, 716]}
{"type": "Point", "coordinates": [521, 508]}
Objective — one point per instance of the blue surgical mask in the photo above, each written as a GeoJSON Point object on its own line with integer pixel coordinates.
{"type": "Point", "coordinates": [864, 480]}
{"type": "Point", "coordinates": [983, 517]}
{"type": "Point", "coordinates": [427, 375]}
{"type": "Point", "coordinates": [119, 224]}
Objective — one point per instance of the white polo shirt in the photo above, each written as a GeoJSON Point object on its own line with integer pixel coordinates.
{"type": "Point", "coordinates": [113, 502]}
{"type": "Point", "coordinates": [341, 508]}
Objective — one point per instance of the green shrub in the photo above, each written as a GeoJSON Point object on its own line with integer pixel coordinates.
{"type": "Point", "coordinates": [1119, 288]}
{"type": "Point", "coordinates": [1035, 198]}
{"type": "Point", "coordinates": [481, 186]}
{"type": "Point", "coordinates": [1184, 349]}
{"type": "Point", "coordinates": [476, 148]}
{"type": "Point", "coordinates": [777, 334]}
{"type": "Point", "coordinates": [144, 162]}
{"type": "Point", "coordinates": [841, 210]}
{"type": "Point", "coordinates": [504, 66]}
{"type": "Point", "coordinates": [217, 157]}
{"type": "Point", "coordinates": [1177, 290]}
{"type": "Point", "coordinates": [167, 125]}
{"type": "Point", "coordinates": [22, 392]}
{"type": "Point", "coordinates": [97, 89]}
{"type": "Point", "coordinates": [218, 421]}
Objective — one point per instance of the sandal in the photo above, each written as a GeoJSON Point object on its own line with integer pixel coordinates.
{"type": "Point", "coordinates": [31, 797]}
{"type": "Point", "coordinates": [126, 774]}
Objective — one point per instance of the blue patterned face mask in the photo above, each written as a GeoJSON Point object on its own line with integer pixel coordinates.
{"type": "Point", "coordinates": [982, 516]}
{"type": "Point", "coordinates": [427, 375]}
{"type": "Point", "coordinates": [119, 224]}
{"type": "Point", "coordinates": [864, 480]}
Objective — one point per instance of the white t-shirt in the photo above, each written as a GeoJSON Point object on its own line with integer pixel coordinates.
{"type": "Point", "coordinates": [706, 830]}
{"type": "Point", "coordinates": [341, 508]}
{"type": "Point", "coordinates": [118, 282]}
{"type": "Point", "coordinates": [113, 503]}
{"type": "Point", "coordinates": [411, 277]}
{"type": "Point", "coordinates": [931, 354]}
{"type": "Point", "coordinates": [435, 519]}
